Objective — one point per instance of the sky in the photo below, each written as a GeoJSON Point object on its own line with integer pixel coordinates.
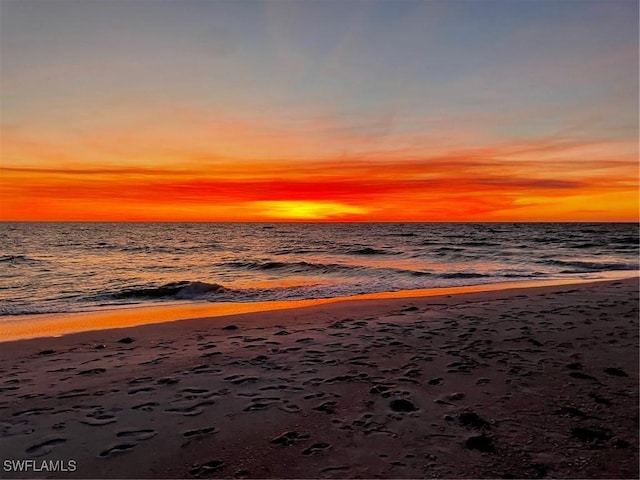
{"type": "Point", "coordinates": [319, 110]}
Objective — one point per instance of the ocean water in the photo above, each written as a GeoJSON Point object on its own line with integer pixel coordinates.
{"type": "Point", "coordinates": [60, 267]}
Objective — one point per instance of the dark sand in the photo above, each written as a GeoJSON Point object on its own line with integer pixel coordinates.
{"type": "Point", "coordinates": [521, 383]}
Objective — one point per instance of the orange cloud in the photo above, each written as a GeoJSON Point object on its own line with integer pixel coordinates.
{"type": "Point", "coordinates": [395, 196]}
{"type": "Point", "coordinates": [552, 178]}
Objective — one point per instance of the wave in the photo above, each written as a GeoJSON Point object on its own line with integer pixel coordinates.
{"type": "Point", "coordinates": [293, 251]}
{"type": "Point", "coordinates": [153, 249]}
{"type": "Point", "coordinates": [585, 245]}
{"type": "Point", "coordinates": [480, 244]}
{"type": "Point", "coordinates": [183, 290]}
{"type": "Point", "coordinates": [292, 267]}
{"type": "Point", "coordinates": [369, 251]}
{"type": "Point", "coordinates": [18, 259]}
{"type": "Point", "coordinates": [582, 267]}
{"type": "Point", "coordinates": [463, 275]}
{"type": "Point", "coordinates": [15, 310]}
{"type": "Point", "coordinates": [525, 275]}
{"type": "Point", "coordinates": [272, 265]}
{"type": "Point", "coordinates": [308, 268]}
{"type": "Point", "coordinates": [547, 240]}
{"type": "Point", "coordinates": [628, 240]}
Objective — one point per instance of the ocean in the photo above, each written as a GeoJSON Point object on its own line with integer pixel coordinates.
{"type": "Point", "coordinates": [70, 267]}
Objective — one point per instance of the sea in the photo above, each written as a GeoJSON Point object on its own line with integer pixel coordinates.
{"type": "Point", "coordinates": [71, 267]}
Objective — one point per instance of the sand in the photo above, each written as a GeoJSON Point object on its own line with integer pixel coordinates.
{"type": "Point", "coordinates": [518, 383]}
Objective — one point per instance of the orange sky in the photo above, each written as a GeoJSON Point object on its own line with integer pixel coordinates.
{"type": "Point", "coordinates": [469, 186]}
{"type": "Point", "coordinates": [515, 118]}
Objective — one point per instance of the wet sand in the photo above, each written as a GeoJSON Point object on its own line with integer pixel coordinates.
{"type": "Point", "coordinates": [520, 383]}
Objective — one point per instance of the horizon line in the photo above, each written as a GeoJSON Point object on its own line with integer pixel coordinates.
{"type": "Point", "coordinates": [289, 222]}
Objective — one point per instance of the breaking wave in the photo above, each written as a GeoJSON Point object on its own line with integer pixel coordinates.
{"type": "Point", "coordinates": [183, 290]}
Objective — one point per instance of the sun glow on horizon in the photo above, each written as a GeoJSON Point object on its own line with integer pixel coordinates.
{"type": "Point", "coordinates": [307, 210]}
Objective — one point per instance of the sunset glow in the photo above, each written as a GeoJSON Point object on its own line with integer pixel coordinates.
{"type": "Point", "coordinates": [319, 111]}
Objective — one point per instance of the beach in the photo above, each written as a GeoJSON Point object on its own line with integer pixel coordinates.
{"type": "Point", "coordinates": [515, 383]}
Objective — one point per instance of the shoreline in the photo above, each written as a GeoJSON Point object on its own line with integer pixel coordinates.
{"type": "Point", "coordinates": [519, 383]}
{"type": "Point", "coordinates": [52, 325]}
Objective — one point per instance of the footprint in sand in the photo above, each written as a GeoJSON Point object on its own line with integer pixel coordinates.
{"type": "Point", "coordinates": [200, 431]}
{"type": "Point", "coordinates": [316, 448]}
{"type": "Point", "coordinates": [194, 390]}
{"type": "Point", "coordinates": [327, 407]}
{"type": "Point", "coordinates": [92, 371]}
{"type": "Point", "coordinates": [140, 380]}
{"type": "Point", "coordinates": [274, 387]}
{"type": "Point", "coordinates": [304, 340]}
{"type": "Point", "coordinates": [253, 339]}
{"type": "Point", "coordinates": [192, 410]}
{"type": "Point", "coordinates": [599, 399]}
{"type": "Point", "coordinates": [382, 388]}
{"type": "Point", "coordinates": [363, 421]}
{"type": "Point", "coordinates": [239, 379]}
{"type": "Point", "coordinates": [98, 420]}
{"type": "Point", "coordinates": [616, 372]}
{"type": "Point", "coordinates": [409, 380]}
{"type": "Point", "coordinates": [60, 370]}
{"type": "Point", "coordinates": [290, 408]}
{"type": "Point", "coordinates": [44, 447]}
{"type": "Point", "coordinates": [140, 390]}
{"type": "Point", "coordinates": [202, 368]}
{"type": "Point", "coordinates": [314, 395]}
{"type": "Point", "coordinates": [77, 392]}
{"type": "Point", "coordinates": [289, 438]}
{"type": "Point", "coordinates": [402, 405]}
{"type": "Point", "coordinates": [592, 434]}
{"type": "Point", "coordinates": [116, 450]}
{"type": "Point", "coordinates": [472, 420]}
{"type": "Point", "coordinates": [456, 396]}
{"type": "Point", "coordinates": [146, 407]}
{"type": "Point", "coordinates": [483, 443]}
{"type": "Point", "coordinates": [339, 468]}
{"type": "Point", "coordinates": [138, 435]}
{"type": "Point", "coordinates": [196, 395]}
{"type": "Point", "coordinates": [32, 411]}
{"type": "Point", "coordinates": [168, 381]}
{"type": "Point", "coordinates": [582, 376]}
{"type": "Point", "coordinates": [206, 468]}
{"type": "Point", "coordinates": [155, 360]}
{"type": "Point", "coordinates": [261, 403]}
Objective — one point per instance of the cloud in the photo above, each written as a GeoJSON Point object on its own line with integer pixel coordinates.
{"type": "Point", "coordinates": [536, 184]}
{"type": "Point", "coordinates": [410, 177]}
